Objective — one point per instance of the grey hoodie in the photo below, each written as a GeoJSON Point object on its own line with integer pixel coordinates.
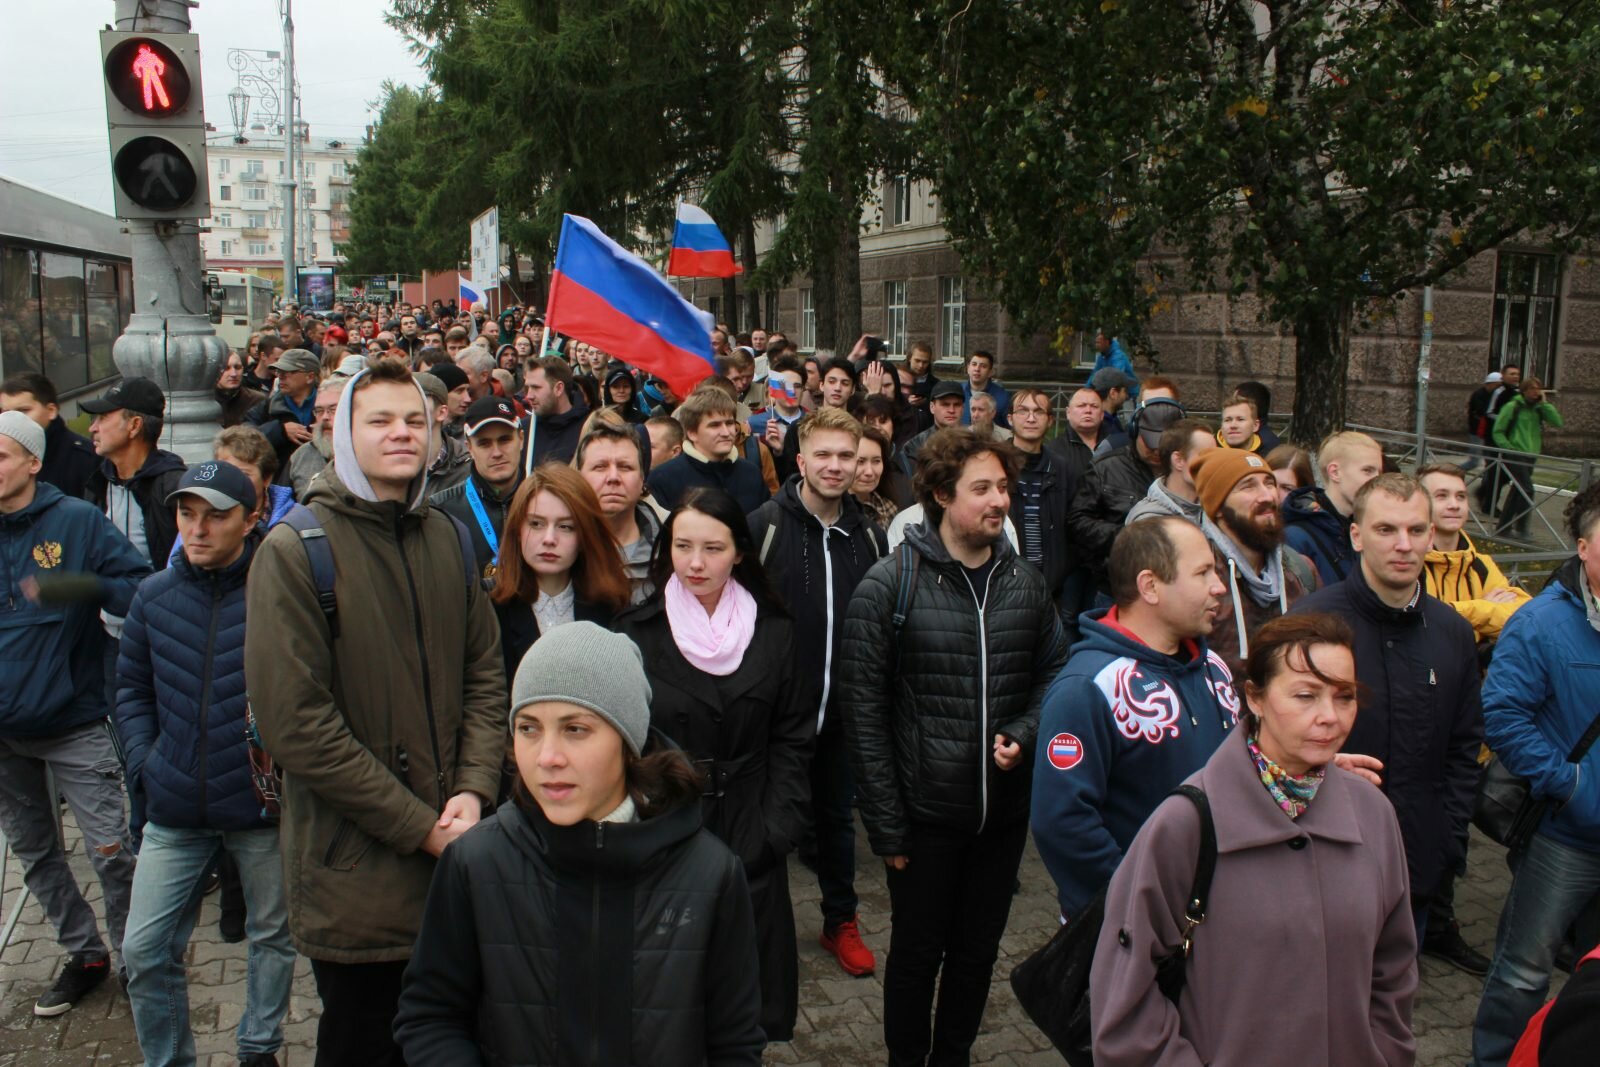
{"type": "Point", "coordinates": [1158, 502]}
{"type": "Point", "coordinates": [344, 450]}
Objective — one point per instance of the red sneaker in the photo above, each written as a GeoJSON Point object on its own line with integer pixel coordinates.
{"type": "Point", "coordinates": [847, 947]}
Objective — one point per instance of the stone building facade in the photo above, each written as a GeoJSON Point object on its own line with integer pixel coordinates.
{"type": "Point", "coordinates": [1522, 304]}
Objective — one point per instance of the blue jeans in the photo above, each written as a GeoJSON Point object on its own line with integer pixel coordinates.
{"type": "Point", "coordinates": [167, 887]}
{"type": "Point", "coordinates": [1552, 884]}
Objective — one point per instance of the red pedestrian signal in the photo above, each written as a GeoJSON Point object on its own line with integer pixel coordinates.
{"type": "Point", "coordinates": [147, 77]}
{"type": "Point", "coordinates": [156, 121]}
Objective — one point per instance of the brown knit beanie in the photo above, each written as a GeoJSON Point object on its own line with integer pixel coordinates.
{"type": "Point", "coordinates": [1216, 473]}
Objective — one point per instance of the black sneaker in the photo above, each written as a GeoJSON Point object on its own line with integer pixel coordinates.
{"type": "Point", "coordinates": [1447, 944]}
{"type": "Point", "coordinates": [258, 1059]}
{"type": "Point", "coordinates": [76, 980]}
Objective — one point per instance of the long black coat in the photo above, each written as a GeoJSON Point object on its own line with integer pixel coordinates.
{"type": "Point", "coordinates": [1420, 713]}
{"type": "Point", "coordinates": [589, 944]}
{"type": "Point", "coordinates": [752, 734]}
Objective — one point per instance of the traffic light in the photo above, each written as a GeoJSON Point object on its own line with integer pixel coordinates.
{"type": "Point", "coordinates": [156, 118]}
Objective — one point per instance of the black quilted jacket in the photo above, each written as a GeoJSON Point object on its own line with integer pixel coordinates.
{"type": "Point", "coordinates": [921, 710]}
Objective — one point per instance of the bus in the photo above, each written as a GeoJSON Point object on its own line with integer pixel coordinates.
{"type": "Point", "coordinates": [66, 288]}
{"type": "Point", "coordinates": [245, 301]}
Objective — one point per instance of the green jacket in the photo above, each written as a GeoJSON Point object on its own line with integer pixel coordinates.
{"type": "Point", "coordinates": [1514, 429]}
{"type": "Point", "coordinates": [375, 729]}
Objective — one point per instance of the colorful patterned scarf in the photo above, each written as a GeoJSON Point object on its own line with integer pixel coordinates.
{"type": "Point", "coordinates": [1291, 792]}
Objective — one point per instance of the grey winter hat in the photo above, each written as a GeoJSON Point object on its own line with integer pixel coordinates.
{"type": "Point", "coordinates": [587, 665]}
{"type": "Point", "coordinates": [24, 431]}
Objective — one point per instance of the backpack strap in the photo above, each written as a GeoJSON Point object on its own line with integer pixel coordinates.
{"type": "Point", "coordinates": [469, 555]}
{"type": "Point", "coordinates": [907, 589]}
{"type": "Point", "coordinates": [1194, 911]}
{"type": "Point", "coordinates": [304, 522]}
{"type": "Point", "coordinates": [766, 511]}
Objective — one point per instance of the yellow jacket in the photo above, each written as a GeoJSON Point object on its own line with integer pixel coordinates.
{"type": "Point", "coordinates": [1252, 445]}
{"type": "Point", "coordinates": [1462, 578]}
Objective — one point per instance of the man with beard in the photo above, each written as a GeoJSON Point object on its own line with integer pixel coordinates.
{"type": "Point", "coordinates": [558, 410]}
{"type": "Point", "coordinates": [1417, 662]}
{"type": "Point", "coordinates": [310, 458]}
{"type": "Point", "coordinates": [1262, 576]}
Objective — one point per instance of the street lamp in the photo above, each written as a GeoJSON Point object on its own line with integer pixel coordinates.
{"type": "Point", "coordinates": [239, 107]}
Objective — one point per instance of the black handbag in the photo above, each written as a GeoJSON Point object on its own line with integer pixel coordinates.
{"type": "Point", "coordinates": [1506, 810]}
{"type": "Point", "coordinates": [1052, 985]}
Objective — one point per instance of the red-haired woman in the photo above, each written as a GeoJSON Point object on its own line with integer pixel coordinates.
{"type": "Point", "coordinates": [557, 562]}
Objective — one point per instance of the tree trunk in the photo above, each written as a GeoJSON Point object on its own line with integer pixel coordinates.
{"type": "Point", "coordinates": [730, 305]}
{"type": "Point", "coordinates": [847, 282]}
{"type": "Point", "coordinates": [752, 296]}
{"type": "Point", "coordinates": [1322, 364]}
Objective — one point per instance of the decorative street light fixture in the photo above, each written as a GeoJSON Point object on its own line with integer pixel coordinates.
{"type": "Point", "coordinates": [239, 107]}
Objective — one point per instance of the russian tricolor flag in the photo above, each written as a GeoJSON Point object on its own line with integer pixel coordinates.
{"type": "Point", "coordinates": [604, 295]}
{"type": "Point", "coordinates": [698, 248]}
{"type": "Point", "coordinates": [470, 294]}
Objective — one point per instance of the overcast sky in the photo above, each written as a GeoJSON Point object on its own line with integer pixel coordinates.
{"type": "Point", "coordinates": [52, 101]}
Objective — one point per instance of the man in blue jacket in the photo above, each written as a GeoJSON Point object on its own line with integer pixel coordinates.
{"type": "Point", "coordinates": [1538, 701]}
{"type": "Point", "coordinates": [62, 562]}
{"type": "Point", "coordinates": [1141, 705]}
{"type": "Point", "coordinates": [187, 748]}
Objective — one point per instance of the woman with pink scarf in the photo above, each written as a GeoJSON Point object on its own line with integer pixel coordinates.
{"type": "Point", "coordinates": [718, 650]}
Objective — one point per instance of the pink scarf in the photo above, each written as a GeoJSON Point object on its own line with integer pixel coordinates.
{"type": "Point", "coordinates": [714, 643]}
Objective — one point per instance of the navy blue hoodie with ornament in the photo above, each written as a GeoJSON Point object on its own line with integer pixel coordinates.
{"type": "Point", "coordinates": [1122, 726]}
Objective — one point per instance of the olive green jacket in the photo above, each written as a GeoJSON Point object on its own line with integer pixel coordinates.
{"type": "Point", "coordinates": [377, 728]}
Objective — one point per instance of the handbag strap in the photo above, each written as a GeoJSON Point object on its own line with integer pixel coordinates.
{"type": "Point", "coordinates": [1585, 742]}
{"type": "Point", "coordinates": [1205, 865]}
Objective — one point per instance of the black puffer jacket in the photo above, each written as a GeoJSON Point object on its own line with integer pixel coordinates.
{"type": "Point", "coordinates": [921, 710]}
{"type": "Point", "coordinates": [1421, 713]}
{"type": "Point", "coordinates": [599, 944]}
{"type": "Point", "coordinates": [1105, 494]}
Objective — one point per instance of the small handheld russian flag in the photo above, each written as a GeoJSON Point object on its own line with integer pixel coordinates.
{"type": "Point", "coordinates": [471, 293]}
{"type": "Point", "coordinates": [698, 248]}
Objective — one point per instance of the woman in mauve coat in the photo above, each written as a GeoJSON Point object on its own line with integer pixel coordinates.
{"type": "Point", "coordinates": [720, 655]}
{"type": "Point", "coordinates": [1308, 951]}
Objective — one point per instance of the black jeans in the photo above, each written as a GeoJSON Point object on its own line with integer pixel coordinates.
{"type": "Point", "coordinates": [359, 1003]}
{"type": "Point", "coordinates": [833, 790]}
{"type": "Point", "coordinates": [950, 907]}
{"type": "Point", "coordinates": [1518, 504]}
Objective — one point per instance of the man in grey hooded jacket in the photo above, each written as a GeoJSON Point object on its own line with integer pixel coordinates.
{"type": "Point", "coordinates": [1174, 493]}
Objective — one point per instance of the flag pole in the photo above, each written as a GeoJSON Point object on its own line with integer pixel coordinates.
{"type": "Point", "coordinates": [544, 349]}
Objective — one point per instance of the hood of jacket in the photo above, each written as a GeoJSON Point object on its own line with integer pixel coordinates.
{"type": "Point", "coordinates": [1159, 496]}
{"type": "Point", "coordinates": [1311, 503]}
{"type": "Point", "coordinates": [45, 495]}
{"type": "Point", "coordinates": [1099, 635]}
{"type": "Point", "coordinates": [344, 452]}
{"type": "Point", "coordinates": [850, 514]}
{"type": "Point", "coordinates": [924, 539]}
{"type": "Point", "coordinates": [157, 463]}
{"type": "Point", "coordinates": [1458, 558]}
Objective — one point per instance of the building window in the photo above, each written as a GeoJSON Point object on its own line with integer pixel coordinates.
{"type": "Point", "coordinates": [255, 221]}
{"type": "Point", "coordinates": [1527, 298]}
{"type": "Point", "coordinates": [225, 248]}
{"type": "Point", "coordinates": [258, 248]}
{"type": "Point", "coordinates": [311, 169]}
{"type": "Point", "coordinates": [952, 320]}
{"type": "Point", "coordinates": [714, 305]}
{"type": "Point", "coordinates": [254, 192]}
{"type": "Point", "coordinates": [894, 317]}
{"type": "Point", "coordinates": [224, 165]}
{"type": "Point", "coordinates": [898, 194]}
{"type": "Point", "coordinates": [225, 219]}
{"type": "Point", "coordinates": [253, 167]}
{"type": "Point", "coordinates": [770, 313]}
{"type": "Point", "coordinates": [311, 196]}
{"type": "Point", "coordinates": [280, 168]}
{"type": "Point", "coordinates": [336, 169]}
{"type": "Point", "coordinates": [225, 193]}
{"type": "Point", "coordinates": [807, 341]}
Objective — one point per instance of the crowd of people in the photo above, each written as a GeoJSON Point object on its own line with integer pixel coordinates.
{"type": "Point", "coordinates": [501, 683]}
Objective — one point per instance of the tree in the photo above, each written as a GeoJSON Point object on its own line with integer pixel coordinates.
{"type": "Point", "coordinates": [1329, 156]}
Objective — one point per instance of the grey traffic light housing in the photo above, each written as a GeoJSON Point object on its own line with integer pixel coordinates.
{"type": "Point", "coordinates": [155, 116]}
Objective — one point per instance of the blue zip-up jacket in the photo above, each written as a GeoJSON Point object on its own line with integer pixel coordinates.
{"type": "Point", "coordinates": [1117, 357]}
{"type": "Point", "coordinates": [1539, 698]}
{"type": "Point", "coordinates": [51, 678]}
{"type": "Point", "coordinates": [1313, 527]}
{"type": "Point", "coordinates": [1122, 727]}
{"type": "Point", "coordinates": [181, 697]}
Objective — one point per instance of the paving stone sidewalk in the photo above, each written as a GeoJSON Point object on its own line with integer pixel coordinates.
{"type": "Point", "coordinates": [840, 1017]}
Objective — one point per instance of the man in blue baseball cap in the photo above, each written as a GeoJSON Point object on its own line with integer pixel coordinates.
{"type": "Point", "coordinates": [190, 619]}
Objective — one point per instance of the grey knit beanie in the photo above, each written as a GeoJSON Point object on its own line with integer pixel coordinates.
{"type": "Point", "coordinates": [587, 665]}
{"type": "Point", "coordinates": [24, 431]}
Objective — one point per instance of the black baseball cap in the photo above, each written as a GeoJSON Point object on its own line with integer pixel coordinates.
{"type": "Point", "coordinates": [222, 485]}
{"type": "Point", "coordinates": [490, 409]}
{"type": "Point", "coordinates": [138, 395]}
{"type": "Point", "coordinates": [947, 389]}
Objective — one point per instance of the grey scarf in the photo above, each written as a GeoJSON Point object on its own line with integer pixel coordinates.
{"type": "Point", "coordinates": [1265, 588]}
{"type": "Point", "coordinates": [1590, 606]}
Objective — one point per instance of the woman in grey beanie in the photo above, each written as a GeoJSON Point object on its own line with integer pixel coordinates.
{"type": "Point", "coordinates": [592, 919]}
